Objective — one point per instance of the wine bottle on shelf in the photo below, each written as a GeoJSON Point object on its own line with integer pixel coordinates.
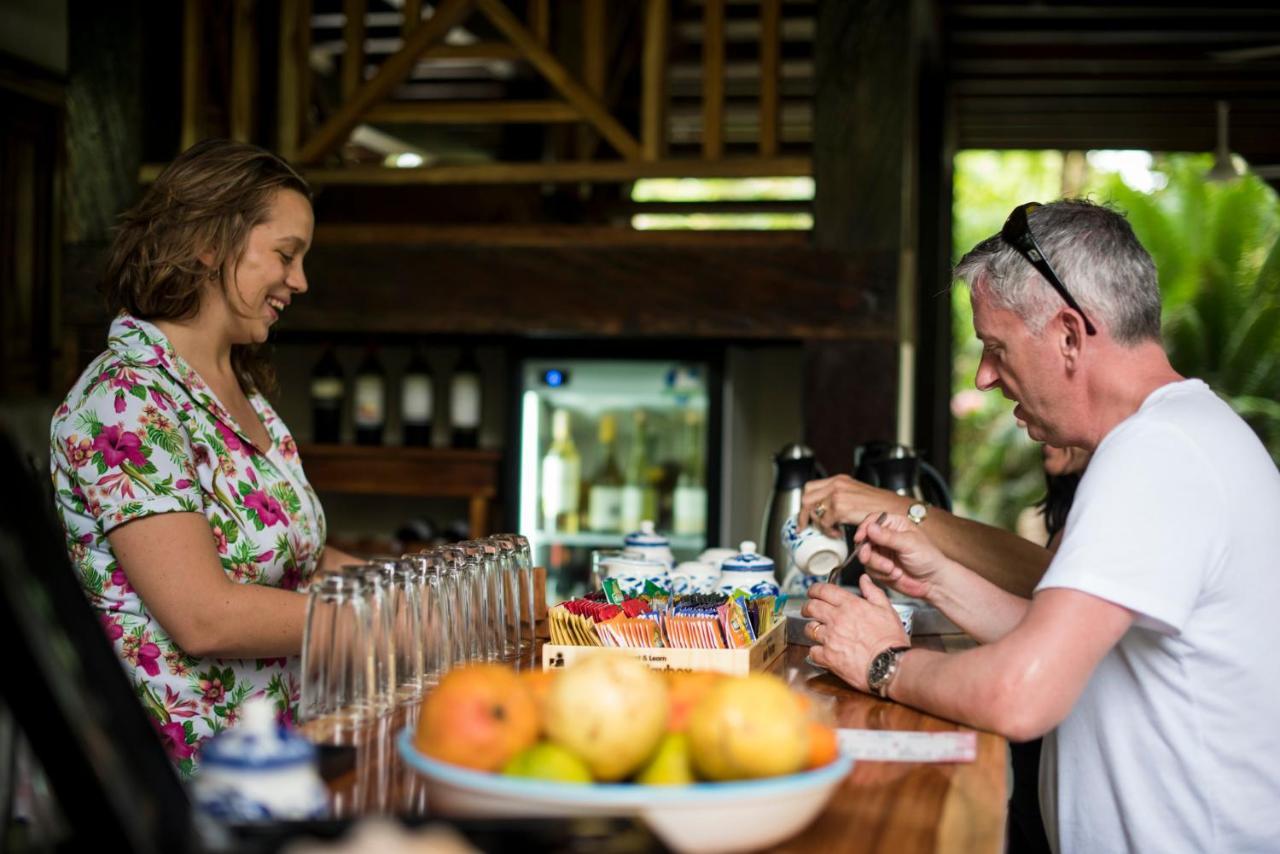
{"type": "Point", "coordinates": [604, 494]}
{"type": "Point", "coordinates": [639, 498]}
{"type": "Point", "coordinates": [417, 399]}
{"type": "Point", "coordinates": [370, 399]}
{"type": "Point", "coordinates": [689, 506]}
{"type": "Point", "coordinates": [327, 392]}
{"type": "Point", "coordinates": [464, 403]}
{"type": "Point", "coordinates": [561, 473]}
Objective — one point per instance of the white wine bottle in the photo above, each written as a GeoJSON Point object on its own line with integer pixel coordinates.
{"type": "Point", "coordinates": [639, 498]}
{"type": "Point", "coordinates": [464, 403]}
{"type": "Point", "coordinates": [561, 475]}
{"type": "Point", "coordinates": [416, 401]}
{"type": "Point", "coordinates": [604, 496]}
{"type": "Point", "coordinates": [689, 506]}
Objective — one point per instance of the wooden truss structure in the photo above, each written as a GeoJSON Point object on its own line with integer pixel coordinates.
{"type": "Point", "coordinates": [580, 95]}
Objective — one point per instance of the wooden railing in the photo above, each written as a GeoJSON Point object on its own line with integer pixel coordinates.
{"type": "Point", "coordinates": [608, 151]}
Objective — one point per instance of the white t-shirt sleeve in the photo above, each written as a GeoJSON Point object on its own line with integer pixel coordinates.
{"type": "Point", "coordinates": [1131, 537]}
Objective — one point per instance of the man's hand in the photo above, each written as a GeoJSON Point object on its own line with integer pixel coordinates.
{"type": "Point", "coordinates": [896, 552]}
{"type": "Point", "coordinates": [844, 501]}
{"type": "Point", "coordinates": [850, 631]}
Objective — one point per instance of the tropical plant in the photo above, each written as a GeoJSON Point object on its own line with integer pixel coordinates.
{"type": "Point", "coordinates": [1215, 246]}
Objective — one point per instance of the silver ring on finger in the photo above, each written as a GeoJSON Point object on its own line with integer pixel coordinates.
{"type": "Point", "coordinates": [820, 511]}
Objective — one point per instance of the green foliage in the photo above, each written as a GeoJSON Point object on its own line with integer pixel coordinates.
{"type": "Point", "coordinates": [1216, 250]}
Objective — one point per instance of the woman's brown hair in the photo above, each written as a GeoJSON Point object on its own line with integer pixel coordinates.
{"type": "Point", "coordinates": [205, 202]}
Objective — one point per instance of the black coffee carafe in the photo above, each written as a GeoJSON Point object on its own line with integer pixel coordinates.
{"type": "Point", "coordinates": [900, 469]}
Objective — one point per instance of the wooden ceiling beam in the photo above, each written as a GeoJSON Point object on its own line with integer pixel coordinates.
{"type": "Point", "coordinates": [559, 77]}
{"type": "Point", "coordinates": [472, 112]}
{"type": "Point", "coordinates": [390, 74]}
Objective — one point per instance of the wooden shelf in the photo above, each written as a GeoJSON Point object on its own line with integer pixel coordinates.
{"type": "Point", "coordinates": [413, 472]}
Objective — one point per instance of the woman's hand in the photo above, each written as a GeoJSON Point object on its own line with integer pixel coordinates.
{"type": "Point", "coordinates": [841, 500]}
{"type": "Point", "coordinates": [894, 551]}
{"type": "Point", "coordinates": [849, 631]}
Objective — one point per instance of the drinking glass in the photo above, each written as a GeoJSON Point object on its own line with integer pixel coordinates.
{"type": "Point", "coordinates": [435, 616]}
{"type": "Point", "coordinates": [467, 570]}
{"type": "Point", "coordinates": [337, 678]}
{"type": "Point", "coordinates": [377, 596]}
{"type": "Point", "coordinates": [404, 608]}
{"type": "Point", "coordinates": [495, 621]}
{"type": "Point", "coordinates": [528, 606]}
{"type": "Point", "coordinates": [510, 576]}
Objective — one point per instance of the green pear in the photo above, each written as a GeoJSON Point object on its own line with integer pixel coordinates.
{"type": "Point", "coordinates": [670, 764]}
{"type": "Point", "coordinates": [547, 761]}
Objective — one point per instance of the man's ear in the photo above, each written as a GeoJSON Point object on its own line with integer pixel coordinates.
{"type": "Point", "coordinates": [1071, 335]}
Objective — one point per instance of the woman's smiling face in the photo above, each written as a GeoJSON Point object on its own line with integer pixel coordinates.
{"type": "Point", "coordinates": [269, 272]}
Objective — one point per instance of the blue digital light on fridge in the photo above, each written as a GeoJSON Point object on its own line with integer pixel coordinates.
{"type": "Point", "coordinates": [554, 378]}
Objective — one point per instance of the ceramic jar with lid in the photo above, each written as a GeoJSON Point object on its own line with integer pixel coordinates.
{"type": "Point", "coordinates": [259, 771]}
{"type": "Point", "coordinates": [649, 544]}
{"type": "Point", "coordinates": [748, 571]}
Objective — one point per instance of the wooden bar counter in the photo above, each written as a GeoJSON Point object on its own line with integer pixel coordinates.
{"type": "Point", "coordinates": [889, 807]}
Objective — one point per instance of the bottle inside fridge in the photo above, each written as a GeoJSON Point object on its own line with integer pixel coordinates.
{"type": "Point", "coordinates": [634, 433]}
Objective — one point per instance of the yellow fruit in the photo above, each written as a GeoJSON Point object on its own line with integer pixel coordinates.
{"type": "Point", "coordinates": [670, 764]}
{"type": "Point", "coordinates": [610, 710]}
{"type": "Point", "coordinates": [746, 727]}
{"type": "Point", "coordinates": [479, 716]}
{"type": "Point", "coordinates": [547, 761]}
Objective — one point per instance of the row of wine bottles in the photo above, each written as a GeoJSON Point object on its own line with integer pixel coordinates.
{"type": "Point", "coordinates": [369, 396]}
{"type": "Point", "coordinates": [616, 498]}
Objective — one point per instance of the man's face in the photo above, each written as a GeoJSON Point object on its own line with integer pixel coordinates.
{"type": "Point", "coordinates": [1026, 368]}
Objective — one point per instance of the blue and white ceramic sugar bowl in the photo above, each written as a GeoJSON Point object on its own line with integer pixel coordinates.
{"type": "Point", "coordinates": [748, 571]}
{"type": "Point", "coordinates": [259, 771]}
{"type": "Point", "coordinates": [649, 544]}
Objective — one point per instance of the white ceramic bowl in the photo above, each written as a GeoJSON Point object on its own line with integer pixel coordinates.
{"type": "Point", "coordinates": [703, 817]}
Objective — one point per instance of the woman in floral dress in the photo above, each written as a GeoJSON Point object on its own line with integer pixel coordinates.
{"type": "Point", "coordinates": [187, 513]}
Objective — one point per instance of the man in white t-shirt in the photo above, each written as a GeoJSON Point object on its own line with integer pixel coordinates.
{"type": "Point", "coordinates": [1149, 654]}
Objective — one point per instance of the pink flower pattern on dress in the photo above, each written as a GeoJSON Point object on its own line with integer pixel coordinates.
{"type": "Point", "coordinates": [119, 454]}
{"type": "Point", "coordinates": [119, 445]}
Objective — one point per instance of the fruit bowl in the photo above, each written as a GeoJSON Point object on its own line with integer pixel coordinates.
{"type": "Point", "coordinates": [735, 816]}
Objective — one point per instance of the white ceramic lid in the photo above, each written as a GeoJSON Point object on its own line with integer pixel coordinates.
{"type": "Point", "coordinates": [747, 560]}
{"type": "Point", "coordinates": [257, 742]}
{"type": "Point", "coordinates": [646, 536]}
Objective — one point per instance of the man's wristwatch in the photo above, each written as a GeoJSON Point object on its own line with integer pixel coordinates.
{"type": "Point", "coordinates": [916, 512]}
{"type": "Point", "coordinates": [883, 668]}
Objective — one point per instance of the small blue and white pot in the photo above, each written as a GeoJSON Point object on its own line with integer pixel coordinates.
{"type": "Point", "coordinates": [258, 771]}
{"type": "Point", "coordinates": [631, 572]}
{"type": "Point", "coordinates": [648, 543]}
{"type": "Point", "coordinates": [748, 571]}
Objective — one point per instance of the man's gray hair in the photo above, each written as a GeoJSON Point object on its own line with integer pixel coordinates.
{"type": "Point", "coordinates": [1096, 255]}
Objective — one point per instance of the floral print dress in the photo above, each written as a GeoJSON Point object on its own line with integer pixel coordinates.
{"type": "Point", "coordinates": [139, 434]}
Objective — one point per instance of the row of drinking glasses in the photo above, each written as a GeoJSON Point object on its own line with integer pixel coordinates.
{"type": "Point", "coordinates": [379, 634]}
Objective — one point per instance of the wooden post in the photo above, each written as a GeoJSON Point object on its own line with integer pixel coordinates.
{"type": "Point", "coordinates": [353, 58]}
{"type": "Point", "coordinates": [412, 15]}
{"type": "Point", "coordinates": [244, 56]}
{"type": "Point", "coordinates": [390, 74]}
{"type": "Point", "coordinates": [867, 155]}
{"type": "Point", "coordinates": [540, 21]}
{"type": "Point", "coordinates": [293, 66]}
{"type": "Point", "coordinates": [478, 517]}
{"type": "Point", "coordinates": [770, 51]}
{"type": "Point", "coordinates": [653, 125]}
{"type": "Point", "coordinates": [192, 72]}
{"type": "Point", "coordinates": [593, 72]}
{"type": "Point", "coordinates": [713, 80]}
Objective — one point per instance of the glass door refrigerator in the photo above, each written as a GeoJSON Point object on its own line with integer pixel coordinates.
{"type": "Point", "coordinates": [604, 445]}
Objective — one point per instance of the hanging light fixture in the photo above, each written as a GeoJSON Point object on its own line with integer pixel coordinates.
{"type": "Point", "coordinates": [1224, 168]}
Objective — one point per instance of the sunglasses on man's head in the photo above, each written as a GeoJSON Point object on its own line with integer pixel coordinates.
{"type": "Point", "coordinates": [1017, 233]}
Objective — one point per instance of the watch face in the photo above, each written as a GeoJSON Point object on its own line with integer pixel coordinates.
{"type": "Point", "coordinates": [880, 667]}
{"type": "Point", "coordinates": [916, 512]}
